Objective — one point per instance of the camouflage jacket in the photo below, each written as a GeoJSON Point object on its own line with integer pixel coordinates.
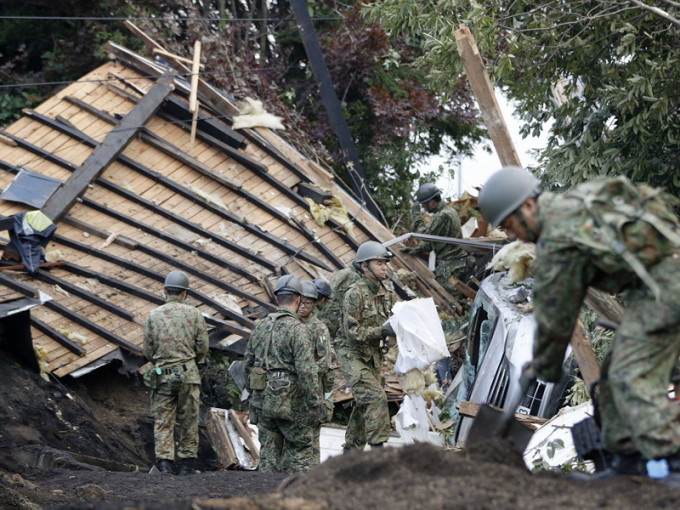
{"type": "Point", "coordinates": [332, 310]}
{"type": "Point", "coordinates": [323, 351]}
{"type": "Point", "coordinates": [567, 264]}
{"type": "Point", "coordinates": [290, 350]}
{"type": "Point", "coordinates": [175, 333]}
{"type": "Point", "coordinates": [446, 223]}
{"type": "Point", "coordinates": [367, 305]}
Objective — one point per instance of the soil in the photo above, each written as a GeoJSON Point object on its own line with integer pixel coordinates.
{"type": "Point", "coordinates": [67, 445]}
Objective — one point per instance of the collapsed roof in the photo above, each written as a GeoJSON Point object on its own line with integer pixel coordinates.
{"type": "Point", "coordinates": [138, 199]}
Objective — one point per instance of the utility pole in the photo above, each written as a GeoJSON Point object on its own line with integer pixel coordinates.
{"type": "Point", "coordinates": [332, 106]}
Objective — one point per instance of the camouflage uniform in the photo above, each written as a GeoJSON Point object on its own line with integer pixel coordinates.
{"type": "Point", "coordinates": [332, 309]}
{"type": "Point", "coordinates": [286, 443]}
{"type": "Point", "coordinates": [175, 340]}
{"type": "Point", "coordinates": [452, 260]}
{"type": "Point", "coordinates": [637, 415]}
{"type": "Point", "coordinates": [323, 354]}
{"type": "Point", "coordinates": [366, 306]}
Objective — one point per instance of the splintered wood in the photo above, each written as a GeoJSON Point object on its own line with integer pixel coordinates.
{"type": "Point", "coordinates": [231, 439]}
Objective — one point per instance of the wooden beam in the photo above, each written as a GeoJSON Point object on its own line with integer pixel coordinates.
{"type": "Point", "coordinates": [114, 143]}
{"type": "Point", "coordinates": [57, 337]}
{"type": "Point", "coordinates": [584, 354]}
{"type": "Point", "coordinates": [164, 53]}
{"type": "Point", "coordinates": [486, 98]}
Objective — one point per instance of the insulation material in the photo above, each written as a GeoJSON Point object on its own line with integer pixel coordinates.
{"type": "Point", "coordinates": [228, 301]}
{"type": "Point", "coordinates": [420, 336]}
{"type": "Point", "coordinates": [73, 336]}
{"type": "Point", "coordinates": [253, 115]}
{"type": "Point", "coordinates": [54, 256]}
{"type": "Point", "coordinates": [211, 199]}
{"type": "Point", "coordinates": [333, 210]}
{"type": "Point", "coordinates": [517, 258]}
{"type": "Point", "coordinates": [41, 358]}
{"type": "Point", "coordinates": [413, 383]}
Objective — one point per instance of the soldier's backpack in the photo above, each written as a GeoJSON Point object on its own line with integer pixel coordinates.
{"type": "Point", "coordinates": [277, 399]}
{"type": "Point", "coordinates": [615, 205]}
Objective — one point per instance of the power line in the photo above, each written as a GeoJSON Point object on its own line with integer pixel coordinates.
{"type": "Point", "coordinates": [185, 75]}
{"type": "Point", "coordinates": [120, 18]}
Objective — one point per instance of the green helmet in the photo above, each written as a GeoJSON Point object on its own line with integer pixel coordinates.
{"type": "Point", "coordinates": [309, 289]}
{"type": "Point", "coordinates": [371, 250]}
{"type": "Point", "coordinates": [177, 280]}
{"type": "Point", "coordinates": [504, 192]}
{"type": "Point", "coordinates": [323, 287]}
{"type": "Point", "coordinates": [426, 192]}
{"type": "Point", "coordinates": [287, 284]}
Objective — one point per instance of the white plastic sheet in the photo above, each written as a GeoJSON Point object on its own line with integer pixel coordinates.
{"type": "Point", "coordinates": [420, 336]}
{"type": "Point", "coordinates": [412, 422]}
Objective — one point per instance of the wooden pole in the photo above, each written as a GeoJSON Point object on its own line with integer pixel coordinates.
{"type": "Point", "coordinates": [193, 96]}
{"type": "Point", "coordinates": [486, 98]}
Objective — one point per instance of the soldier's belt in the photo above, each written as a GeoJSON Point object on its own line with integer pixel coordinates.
{"type": "Point", "coordinates": [175, 368]}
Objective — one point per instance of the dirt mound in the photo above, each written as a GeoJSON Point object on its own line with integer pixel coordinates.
{"type": "Point", "coordinates": [423, 476]}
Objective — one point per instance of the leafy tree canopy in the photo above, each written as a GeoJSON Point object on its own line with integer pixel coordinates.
{"type": "Point", "coordinates": [253, 48]}
{"type": "Point", "coordinates": [607, 72]}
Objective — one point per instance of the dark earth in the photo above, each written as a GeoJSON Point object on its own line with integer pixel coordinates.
{"type": "Point", "coordinates": [66, 445]}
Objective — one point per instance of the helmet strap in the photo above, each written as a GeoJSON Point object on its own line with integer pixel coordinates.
{"type": "Point", "coordinates": [531, 235]}
{"type": "Point", "coordinates": [368, 268]}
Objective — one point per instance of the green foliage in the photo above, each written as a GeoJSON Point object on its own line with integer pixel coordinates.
{"type": "Point", "coordinates": [606, 75]}
{"type": "Point", "coordinates": [540, 463]}
{"type": "Point", "coordinates": [218, 389]}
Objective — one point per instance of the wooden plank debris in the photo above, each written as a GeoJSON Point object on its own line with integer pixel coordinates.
{"type": "Point", "coordinates": [486, 98]}
{"type": "Point", "coordinates": [470, 410]}
{"type": "Point", "coordinates": [226, 427]}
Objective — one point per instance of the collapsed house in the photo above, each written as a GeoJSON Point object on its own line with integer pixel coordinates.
{"type": "Point", "coordinates": [136, 189]}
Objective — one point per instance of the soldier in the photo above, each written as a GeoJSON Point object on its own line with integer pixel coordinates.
{"type": "Point", "coordinates": [323, 353]}
{"type": "Point", "coordinates": [324, 292]}
{"type": "Point", "coordinates": [175, 341]}
{"type": "Point", "coordinates": [340, 282]}
{"type": "Point", "coordinates": [613, 236]}
{"type": "Point", "coordinates": [366, 307]}
{"type": "Point", "coordinates": [282, 375]}
{"type": "Point", "coordinates": [452, 260]}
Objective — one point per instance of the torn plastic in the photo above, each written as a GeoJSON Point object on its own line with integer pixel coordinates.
{"type": "Point", "coordinates": [420, 336]}
{"type": "Point", "coordinates": [30, 234]}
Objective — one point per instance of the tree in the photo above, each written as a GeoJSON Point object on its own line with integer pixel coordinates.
{"type": "Point", "coordinates": [605, 71]}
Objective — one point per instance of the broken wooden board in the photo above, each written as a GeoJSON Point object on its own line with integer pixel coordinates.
{"type": "Point", "coordinates": [470, 410]}
{"type": "Point", "coordinates": [231, 439]}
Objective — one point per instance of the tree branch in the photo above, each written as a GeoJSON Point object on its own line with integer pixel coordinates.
{"type": "Point", "coordinates": [657, 11]}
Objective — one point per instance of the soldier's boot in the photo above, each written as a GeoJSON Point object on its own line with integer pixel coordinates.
{"type": "Point", "coordinates": [622, 464]}
{"type": "Point", "coordinates": [674, 463]}
{"type": "Point", "coordinates": [187, 467]}
{"type": "Point", "coordinates": [346, 450]}
{"type": "Point", "coordinates": [376, 445]}
{"type": "Point", "coordinates": [165, 467]}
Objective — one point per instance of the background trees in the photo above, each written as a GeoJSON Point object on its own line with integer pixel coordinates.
{"type": "Point", "coordinates": [606, 71]}
{"type": "Point", "coordinates": [397, 120]}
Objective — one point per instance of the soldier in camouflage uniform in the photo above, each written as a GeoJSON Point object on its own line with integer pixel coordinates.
{"type": "Point", "coordinates": [323, 353]}
{"type": "Point", "coordinates": [282, 375]}
{"type": "Point", "coordinates": [332, 310]}
{"type": "Point", "coordinates": [452, 260]}
{"type": "Point", "coordinates": [366, 307]}
{"type": "Point", "coordinates": [175, 341]}
{"type": "Point", "coordinates": [578, 246]}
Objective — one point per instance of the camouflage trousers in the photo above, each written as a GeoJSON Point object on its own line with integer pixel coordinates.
{"type": "Point", "coordinates": [370, 418]}
{"type": "Point", "coordinates": [181, 403]}
{"type": "Point", "coordinates": [637, 415]}
{"type": "Point", "coordinates": [287, 446]}
{"type": "Point", "coordinates": [460, 268]}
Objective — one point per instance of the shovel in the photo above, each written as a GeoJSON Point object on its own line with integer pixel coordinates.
{"type": "Point", "coordinates": [491, 423]}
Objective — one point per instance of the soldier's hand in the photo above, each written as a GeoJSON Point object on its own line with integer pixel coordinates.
{"type": "Point", "coordinates": [387, 330]}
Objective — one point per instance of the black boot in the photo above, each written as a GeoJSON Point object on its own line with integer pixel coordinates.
{"type": "Point", "coordinates": [187, 466]}
{"type": "Point", "coordinates": [165, 467]}
{"type": "Point", "coordinates": [623, 464]}
{"type": "Point", "coordinates": [674, 463]}
{"type": "Point", "coordinates": [376, 445]}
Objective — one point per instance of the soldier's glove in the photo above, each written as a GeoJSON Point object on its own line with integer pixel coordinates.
{"type": "Point", "coordinates": [327, 408]}
{"type": "Point", "coordinates": [387, 330]}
